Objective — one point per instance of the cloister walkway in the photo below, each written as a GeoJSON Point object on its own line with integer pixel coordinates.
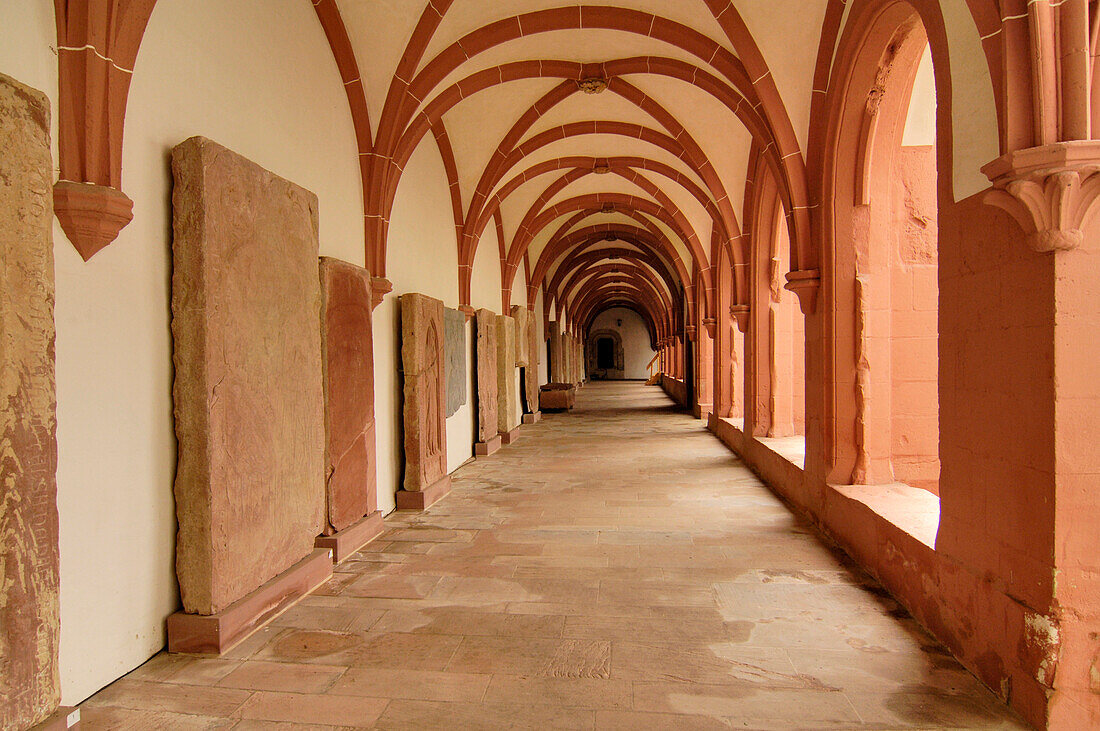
{"type": "Point", "coordinates": [615, 568]}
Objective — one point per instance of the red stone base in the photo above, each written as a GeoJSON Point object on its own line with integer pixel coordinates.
{"type": "Point", "coordinates": [484, 449]}
{"type": "Point", "coordinates": [351, 539]}
{"type": "Point", "coordinates": [508, 437]}
{"type": "Point", "coordinates": [63, 719]}
{"type": "Point", "coordinates": [701, 411]}
{"type": "Point", "coordinates": [215, 633]}
{"type": "Point", "coordinates": [409, 500]}
{"type": "Point", "coordinates": [534, 418]}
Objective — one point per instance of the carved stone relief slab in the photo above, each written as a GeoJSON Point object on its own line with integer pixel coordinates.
{"type": "Point", "coordinates": [454, 326]}
{"type": "Point", "coordinates": [249, 399]}
{"type": "Point", "coordinates": [424, 363]}
{"type": "Point", "coordinates": [506, 374]}
{"type": "Point", "coordinates": [486, 323]}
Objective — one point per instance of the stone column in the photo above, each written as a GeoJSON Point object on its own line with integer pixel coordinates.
{"type": "Point", "coordinates": [488, 437]}
{"type": "Point", "coordinates": [29, 621]}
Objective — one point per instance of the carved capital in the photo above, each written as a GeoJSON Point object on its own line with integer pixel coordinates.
{"type": "Point", "coordinates": [91, 215]}
{"type": "Point", "coordinates": [805, 284]}
{"type": "Point", "coordinates": [379, 288]}
{"type": "Point", "coordinates": [1051, 191]}
{"type": "Point", "coordinates": [711, 324]}
{"type": "Point", "coordinates": [468, 311]}
{"type": "Point", "coordinates": [740, 315]}
{"type": "Point", "coordinates": [690, 331]}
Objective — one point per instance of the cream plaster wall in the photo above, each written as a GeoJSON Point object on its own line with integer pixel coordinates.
{"type": "Point", "coordinates": [485, 281]}
{"type": "Point", "coordinates": [636, 347]}
{"type": "Point", "coordinates": [422, 256]}
{"type": "Point", "coordinates": [286, 111]}
{"type": "Point", "coordinates": [920, 121]}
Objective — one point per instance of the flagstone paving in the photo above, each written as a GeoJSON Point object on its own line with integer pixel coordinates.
{"type": "Point", "coordinates": [616, 568]}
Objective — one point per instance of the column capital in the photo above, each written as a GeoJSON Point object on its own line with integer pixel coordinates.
{"type": "Point", "coordinates": [805, 284]}
{"type": "Point", "coordinates": [740, 314]}
{"type": "Point", "coordinates": [1049, 190]}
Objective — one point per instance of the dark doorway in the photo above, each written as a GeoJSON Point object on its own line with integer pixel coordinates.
{"type": "Point", "coordinates": [605, 353]}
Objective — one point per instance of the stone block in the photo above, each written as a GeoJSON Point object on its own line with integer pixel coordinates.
{"type": "Point", "coordinates": [486, 324]}
{"type": "Point", "coordinates": [506, 374]}
{"type": "Point", "coordinates": [557, 397]}
{"type": "Point", "coordinates": [522, 316]}
{"type": "Point", "coordinates": [29, 620]}
{"type": "Point", "coordinates": [425, 365]}
{"type": "Point", "coordinates": [249, 400]}
{"type": "Point", "coordinates": [531, 372]}
{"type": "Point", "coordinates": [454, 347]}
{"type": "Point", "coordinates": [348, 360]}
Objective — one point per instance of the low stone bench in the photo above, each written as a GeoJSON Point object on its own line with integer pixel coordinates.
{"type": "Point", "coordinates": [557, 397]}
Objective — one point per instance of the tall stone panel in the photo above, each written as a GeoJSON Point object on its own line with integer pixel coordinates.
{"type": "Point", "coordinates": [249, 400]}
{"type": "Point", "coordinates": [348, 357]}
{"type": "Point", "coordinates": [522, 316]}
{"type": "Point", "coordinates": [557, 374]}
{"type": "Point", "coordinates": [29, 619]}
{"type": "Point", "coordinates": [424, 364]}
{"type": "Point", "coordinates": [486, 322]}
{"type": "Point", "coordinates": [454, 346]}
{"type": "Point", "coordinates": [506, 376]}
{"type": "Point", "coordinates": [531, 374]}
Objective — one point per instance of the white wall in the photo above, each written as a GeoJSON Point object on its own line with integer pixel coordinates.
{"type": "Point", "coordinates": [272, 94]}
{"type": "Point", "coordinates": [422, 256]}
{"type": "Point", "coordinates": [636, 348]}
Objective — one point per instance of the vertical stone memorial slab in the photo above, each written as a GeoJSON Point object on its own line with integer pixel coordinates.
{"type": "Point", "coordinates": [488, 438]}
{"type": "Point", "coordinates": [424, 363]}
{"type": "Point", "coordinates": [29, 619]}
{"type": "Point", "coordinates": [507, 422]}
{"type": "Point", "coordinates": [249, 400]}
{"type": "Point", "coordinates": [531, 373]}
{"type": "Point", "coordinates": [556, 365]}
{"type": "Point", "coordinates": [522, 317]}
{"type": "Point", "coordinates": [454, 346]}
{"type": "Point", "coordinates": [352, 517]}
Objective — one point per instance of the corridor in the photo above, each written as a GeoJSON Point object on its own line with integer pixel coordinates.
{"type": "Point", "coordinates": [617, 567]}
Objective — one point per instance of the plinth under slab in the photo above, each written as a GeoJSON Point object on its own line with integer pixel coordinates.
{"type": "Point", "coordinates": [346, 542]}
{"type": "Point", "coordinates": [484, 449]}
{"type": "Point", "coordinates": [64, 718]}
{"type": "Point", "coordinates": [422, 499]}
{"type": "Point", "coordinates": [534, 418]}
{"type": "Point", "coordinates": [213, 634]}
{"type": "Point", "coordinates": [509, 436]}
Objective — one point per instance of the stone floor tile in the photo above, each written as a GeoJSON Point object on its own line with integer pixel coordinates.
{"type": "Point", "coordinates": [332, 710]}
{"type": "Point", "coordinates": [170, 697]}
{"type": "Point", "coordinates": [403, 715]}
{"type": "Point", "coordinates": [278, 676]}
{"type": "Point", "coordinates": [412, 685]}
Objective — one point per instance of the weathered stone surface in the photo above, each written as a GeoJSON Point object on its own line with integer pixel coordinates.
{"type": "Point", "coordinates": [29, 621]}
{"type": "Point", "coordinates": [347, 344]}
{"type": "Point", "coordinates": [531, 372]}
{"type": "Point", "coordinates": [425, 390]}
{"type": "Point", "coordinates": [454, 346]}
{"type": "Point", "coordinates": [556, 364]}
{"type": "Point", "coordinates": [506, 374]}
{"type": "Point", "coordinates": [557, 396]}
{"type": "Point", "coordinates": [249, 400]}
{"type": "Point", "coordinates": [522, 316]}
{"type": "Point", "coordinates": [486, 324]}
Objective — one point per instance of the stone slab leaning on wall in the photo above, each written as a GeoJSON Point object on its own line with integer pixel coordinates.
{"type": "Point", "coordinates": [488, 439]}
{"type": "Point", "coordinates": [506, 378]}
{"type": "Point", "coordinates": [249, 404]}
{"type": "Point", "coordinates": [347, 354]}
{"type": "Point", "coordinates": [29, 615]}
{"type": "Point", "coordinates": [425, 420]}
{"type": "Point", "coordinates": [454, 326]}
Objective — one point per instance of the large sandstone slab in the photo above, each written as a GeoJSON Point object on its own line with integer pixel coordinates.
{"type": "Point", "coordinates": [522, 316]}
{"type": "Point", "coordinates": [424, 363]}
{"type": "Point", "coordinates": [29, 619]}
{"type": "Point", "coordinates": [486, 323]}
{"type": "Point", "coordinates": [507, 386]}
{"type": "Point", "coordinates": [454, 345]}
{"type": "Point", "coordinates": [249, 401]}
{"type": "Point", "coordinates": [347, 348]}
{"type": "Point", "coordinates": [557, 372]}
{"type": "Point", "coordinates": [531, 372]}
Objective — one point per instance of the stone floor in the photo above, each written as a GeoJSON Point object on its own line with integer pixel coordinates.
{"type": "Point", "coordinates": [616, 568]}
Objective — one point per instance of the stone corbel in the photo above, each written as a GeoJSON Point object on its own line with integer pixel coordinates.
{"type": "Point", "coordinates": [1051, 191]}
{"type": "Point", "coordinates": [379, 288]}
{"type": "Point", "coordinates": [690, 331]}
{"type": "Point", "coordinates": [805, 284]}
{"type": "Point", "coordinates": [468, 311]}
{"type": "Point", "coordinates": [740, 315]}
{"type": "Point", "coordinates": [97, 44]}
{"type": "Point", "coordinates": [711, 324]}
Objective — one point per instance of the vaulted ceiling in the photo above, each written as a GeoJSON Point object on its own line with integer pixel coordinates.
{"type": "Point", "coordinates": [606, 145]}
